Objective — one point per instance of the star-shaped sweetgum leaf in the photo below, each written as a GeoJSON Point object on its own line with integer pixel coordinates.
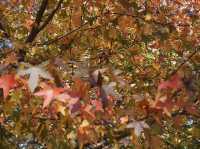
{"type": "Point", "coordinates": [35, 72]}
{"type": "Point", "coordinates": [175, 82]}
{"type": "Point", "coordinates": [7, 82]}
{"type": "Point", "coordinates": [49, 94]}
{"type": "Point", "coordinates": [72, 101]}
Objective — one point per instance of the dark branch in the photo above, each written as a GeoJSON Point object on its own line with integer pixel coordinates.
{"type": "Point", "coordinates": [35, 30]}
{"type": "Point", "coordinates": [49, 18]}
{"type": "Point", "coordinates": [37, 27]}
{"type": "Point", "coordinates": [41, 12]}
{"type": "Point", "coordinates": [4, 25]}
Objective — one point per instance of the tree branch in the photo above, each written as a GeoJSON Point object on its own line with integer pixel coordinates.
{"type": "Point", "coordinates": [67, 34]}
{"type": "Point", "coordinates": [35, 30]}
{"type": "Point", "coordinates": [4, 25]}
{"type": "Point", "coordinates": [169, 24]}
{"type": "Point", "coordinates": [49, 18]}
{"type": "Point", "coordinates": [81, 26]}
{"type": "Point", "coordinates": [37, 27]}
{"type": "Point", "coordinates": [41, 12]}
{"type": "Point", "coordinates": [183, 63]}
{"type": "Point", "coordinates": [63, 36]}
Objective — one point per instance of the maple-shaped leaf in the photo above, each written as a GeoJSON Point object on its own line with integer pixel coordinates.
{"type": "Point", "coordinates": [174, 83]}
{"type": "Point", "coordinates": [97, 105]}
{"type": "Point", "coordinates": [109, 90]}
{"type": "Point", "coordinates": [162, 102]}
{"type": "Point", "coordinates": [138, 126]}
{"type": "Point", "coordinates": [88, 111]}
{"type": "Point", "coordinates": [116, 75]}
{"type": "Point", "coordinates": [35, 73]}
{"type": "Point", "coordinates": [166, 106]}
{"type": "Point", "coordinates": [124, 119]}
{"type": "Point", "coordinates": [71, 101]}
{"type": "Point", "coordinates": [60, 108]}
{"type": "Point", "coordinates": [28, 24]}
{"type": "Point", "coordinates": [49, 94]}
{"type": "Point", "coordinates": [7, 82]}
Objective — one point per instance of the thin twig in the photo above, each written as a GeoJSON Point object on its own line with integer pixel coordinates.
{"type": "Point", "coordinates": [68, 33]}
{"type": "Point", "coordinates": [169, 24]}
{"type": "Point", "coordinates": [183, 63]}
{"type": "Point", "coordinates": [81, 26]}
{"type": "Point", "coordinates": [63, 36]}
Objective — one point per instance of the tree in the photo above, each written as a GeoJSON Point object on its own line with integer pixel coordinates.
{"type": "Point", "coordinates": [99, 74]}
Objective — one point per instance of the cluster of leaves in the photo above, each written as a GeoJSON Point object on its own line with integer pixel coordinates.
{"type": "Point", "coordinates": [99, 74]}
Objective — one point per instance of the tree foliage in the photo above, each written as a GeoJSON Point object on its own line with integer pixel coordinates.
{"type": "Point", "coordinates": [100, 74]}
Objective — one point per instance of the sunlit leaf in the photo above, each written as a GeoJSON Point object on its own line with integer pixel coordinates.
{"type": "Point", "coordinates": [7, 82]}
{"type": "Point", "coordinates": [35, 72]}
{"type": "Point", "coordinates": [138, 126]}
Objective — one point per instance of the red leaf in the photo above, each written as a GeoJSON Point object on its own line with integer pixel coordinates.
{"type": "Point", "coordinates": [88, 112]}
{"type": "Point", "coordinates": [166, 106]}
{"type": "Point", "coordinates": [72, 101]}
{"type": "Point", "coordinates": [49, 94]}
{"type": "Point", "coordinates": [80, 88]}
{"type": "Point", "coordinates": [98, 105]}
{"type": "Point", "coordinates": [174, 83]}
{"type": "Point", "coordinates": [163, 103]}
{"type": "Point", "coordinates": [7, 82]}
{"type": "Point", "coordinates": [2, 120]}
